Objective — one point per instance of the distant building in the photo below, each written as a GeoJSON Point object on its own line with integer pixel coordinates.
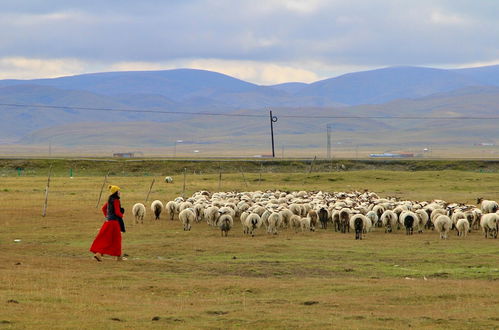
{"type": "Point", "coordinates": [124, 154]}
{"type": "Point", "coordinates": [392, 155]}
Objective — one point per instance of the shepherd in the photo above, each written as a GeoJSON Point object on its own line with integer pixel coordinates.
{"type": "Point", "coordinates": [108, 240]}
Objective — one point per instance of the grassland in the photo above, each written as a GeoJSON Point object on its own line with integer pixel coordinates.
{"type": "Point", "coordinates": [197, 279]}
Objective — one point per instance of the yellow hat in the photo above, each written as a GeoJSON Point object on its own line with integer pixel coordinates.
{"type": "Point", "coordinates": [113, 189]}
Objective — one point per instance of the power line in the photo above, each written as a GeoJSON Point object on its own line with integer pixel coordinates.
{"type": "Point", "coordinates": [248, 115]}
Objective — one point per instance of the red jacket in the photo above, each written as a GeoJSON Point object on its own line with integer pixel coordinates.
{"type": "Point", "coordinates": [117, 208]}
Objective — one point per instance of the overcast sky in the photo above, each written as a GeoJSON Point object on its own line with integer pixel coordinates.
{"type": "Point", "coordinates": [261, 41]}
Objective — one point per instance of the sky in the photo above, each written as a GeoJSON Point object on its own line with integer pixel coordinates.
{"type": "Point", "coordinates": [261, 41]}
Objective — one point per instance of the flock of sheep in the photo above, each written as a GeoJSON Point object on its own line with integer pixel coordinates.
{"type": "Point", "coordinates": [359, 211]}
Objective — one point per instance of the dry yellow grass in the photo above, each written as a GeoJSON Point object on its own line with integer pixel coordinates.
{"type": "Point", "coordinates": [197, 279]}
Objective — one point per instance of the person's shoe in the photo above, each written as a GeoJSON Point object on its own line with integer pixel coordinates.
{"type": "Point", "coordinates": [120, 258]}
{"type": "Point", "coordinates": [98, 257]}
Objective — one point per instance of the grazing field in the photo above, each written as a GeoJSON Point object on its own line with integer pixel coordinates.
{"type": "Point", "coordinates": [197, 279]}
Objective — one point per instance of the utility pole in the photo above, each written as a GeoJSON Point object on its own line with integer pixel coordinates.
{"type": "Point", "coordinates": [273, 119]}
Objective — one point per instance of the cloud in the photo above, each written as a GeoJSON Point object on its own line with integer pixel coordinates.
{"type": "Point", "coordinates": [29, 68]}
{"type": "Point", "coordinates": [266, 40]}
{"type": "Point", "coordinates": [257, 72]}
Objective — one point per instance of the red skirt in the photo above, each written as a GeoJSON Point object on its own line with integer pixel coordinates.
{"type": "Point", "coordinates": [108, 240]}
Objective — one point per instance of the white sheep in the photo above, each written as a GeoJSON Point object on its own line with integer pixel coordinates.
{"type": "Point", "coordinates": [489, 224]}
{"type": "Point", "coordinates": [305, 224]}
{"type": "Point", "coordinates": [171, 208]}
{"type": "Point", "coordinates": [314, 219]}
{"type": "Point", "coordinates": [168, 179]}
{"type": "Point", "coordinates": [252, 222]}
{"type": "Point", "coordinates": [139, 212]}
{"type": "Point", "coordinates": [199, 210]}
{"type": "Point", "coordinates": [187, 217]}
{"type": "Point", "coordinates": [295, 208]}
{"type": "Point", "coordinates": [274, 221]}
{"type": "Point", "coordinates": [373, 217]}
{"type": "Point", "coordinates": [389, 220]}
{"type": "Point", "coordinates": [360, 224]}
{"type": "Point", "coordinates": [443, 225]}
{"type": "Point", "coordinates": [295, 222]}
{"type": "Point", "coordinates": [462, 226]}
{"type": "Point", "coordinates": [487, 206]}
{"type": "Point", "coordinates": [225, 222]}
{"type": "Point", "coordinates": [157, 208]}
{"type": "Point", "coordinates": [423, 219]}
{"type": "Point", "coordinates": [286, 215]}
{"type": "Point", "coordinates": [408, 220]}
{"type": "Point", "coordinates": [211, 215]}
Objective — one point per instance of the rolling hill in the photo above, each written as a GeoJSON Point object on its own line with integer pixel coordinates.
{"type": "Point", "coordinates": [400, 91]}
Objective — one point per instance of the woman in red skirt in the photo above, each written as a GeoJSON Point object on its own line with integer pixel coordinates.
{"type": "Point", "coordinates": [108, 240]}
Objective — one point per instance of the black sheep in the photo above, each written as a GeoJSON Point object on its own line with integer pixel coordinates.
{"type": "Point", "coordinates": [323, 217]}
{"type": "Point", "coordinates": [359, 227]}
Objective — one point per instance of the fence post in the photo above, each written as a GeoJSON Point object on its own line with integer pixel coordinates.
{"type": "Point", "coordinates": [102, 188]}
{"type": "Point", "coordinates": [150, 188]}
{"type": "Point", "coordinates": [44, 212]}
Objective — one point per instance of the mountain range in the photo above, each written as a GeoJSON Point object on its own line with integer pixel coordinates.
{"type": "Point", "coordinates": [411, 91]}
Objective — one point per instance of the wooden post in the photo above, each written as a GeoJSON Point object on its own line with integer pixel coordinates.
{"type": "Point", "coordinates": [312, 164]}
{"type": "Point", "coordinates": [183, 188]}
{"type": "Point", "coordinates": [101, 189]}
{"type": "Point", "coordinates": [242, 173]}
{"type": "Point", "coordinates": [150, 188]}
{"type": "Point", "coordinates": [44, 212]}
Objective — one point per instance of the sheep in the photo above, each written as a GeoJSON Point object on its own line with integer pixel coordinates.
{"type": "Point", "coordinates": [184, 205]}
{"type": "Point", "coordinates": [225, 222]}
{"type": "Point", "coordinates": [252, 222]}
{"type": "Point", "coordinates": [265, 218]}
{"type": "Point", "coordinates": [323, 217]}
{"type": "Point", "coordinates": [344, 219]}
{"type": "Point", "coordinates": [436, 213]}
{"type": "Point", "coordinates": [274, 221]}
{"type": "Point", "coordinates": [168, 179]}
{"type": "Point", "coordinates": [423, 219]}
{"type": "Point", "coordinates": [373, 217]}
{"type": "Point", "coordinates": [379, 210]}
{"type": "Point", "coordinates": [389, 220]}
{"type": "Point", "coordinates": [139, 212]}
{"type": "Point", "coordinates": [199, 210]}
{"type": "Point", "coordinates": [489, 224]}
{"type": "Point", "coordinates": [157, 208]}
{"type": "Point", "coordinates": [171, 208]}
{"type": "Point", "coordinates": [408, 219]}
{"type": "Point", "coordinates": [462, 226]}
{"type": "Point", "coordinates": [286, 215]}
{"type": "Point", "coordinates": [314, 219]}
{"type": "Point", "coordinates": [187, 217]}
{"type": "Point", "coordinates": [211, 215]}
{"type": "Point", "coordinates": [336, 220]}
{"type": "Point", "coordinates": [357, 222]}
{"type": "Point", "coordinates": [443, 225]}
{"type": "Point", "coordinates": [487, 206]}
{"type": "Point", "coordinates": [295, 222]}
{"type": "Point", "coordinates": [305, 224]}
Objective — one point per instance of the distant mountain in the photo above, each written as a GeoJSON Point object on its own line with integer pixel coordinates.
{"type": "Point", "coordinates": [486, 75]}
{"type": "Point", "coordinates": [383, 85]}
{"type": "Point", "coordinates": [291, 87]}
{"type": "Point", "coordinates": [189, 88]}
{"type": "Point", "coordinates": [410, 91]}
{"type": "Point", "coordinates": [180, 85]}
